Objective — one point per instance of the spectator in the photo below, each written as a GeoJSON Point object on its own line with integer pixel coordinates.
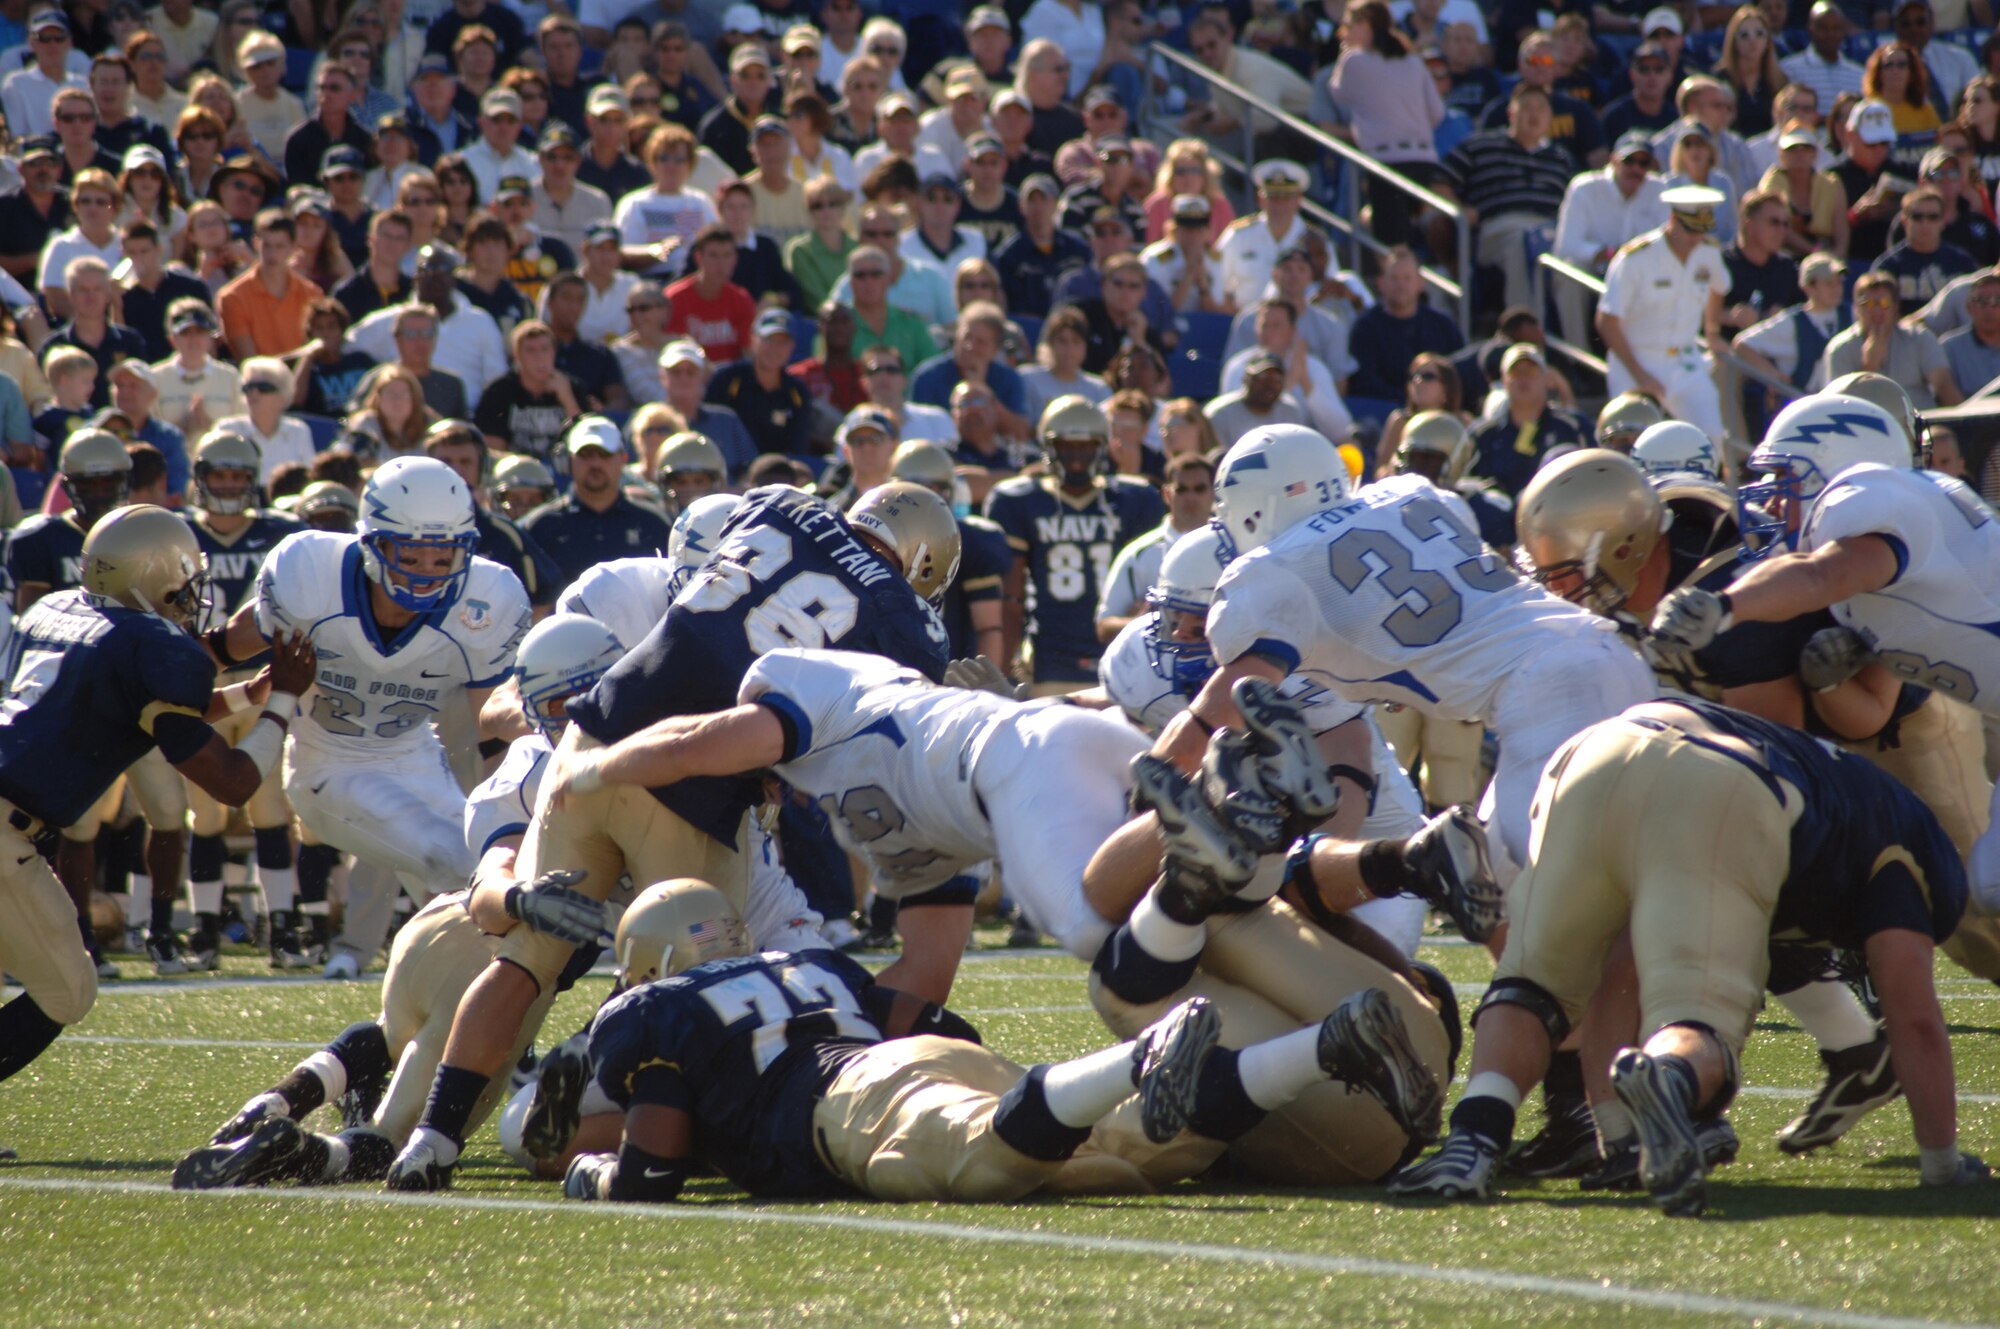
{"type": "Point", "coordinates": [1815, 200]}
{"type": "Point", "coordinates": [607, 165]}
{"type": "Point", "coordinates": [817, 258]}
{"type": "Point", "coordinates": [1013, 121]}
{"type": "Point", "coordinates": [465, 342]}
{"type": "Point", "coordinates": [1032, 262]}
{"type": "Point", "coordinates": [974, 357]}
{"type": "Point", "coordinates": [1965, 223]}
{"type": "Point", "coordinates": [264, 310]}
{"type": "Point", "coordinates": [379, 282]}
{"type": "Point", "coordinates": [561, 40]}
{"type": "Point", "coordinates": [1395, 105]}
{"type": "Point", "coordinates": [596, 522]}
{"type": "Point", "coordinates": [1572, 125]}
{"type": "Point", "coordinates": [72, 373]}
{"type": "Point", "coordinates": [329, 371]}
{"type": "Point", "coordinates": [1117, 313]}
{"type": "Point", "coordinates": [564, 207]}
{"type": "Point", "coordinates": [1823, 66]}
{"type": "Point", "coordinates": [1945, 66]}
{"type": "Point", "coordinates": [198, 134]}
{"type": "Point", "coordinates": [1749, 65]}
{"type": "Point", "coordinates": [607, 289]}
{"type": "Point", "coordinates": [937, 238]}
{"type": "Point", "coordinates": [1260, 401]}
{"type": "Point", "coordinates": [1660, 294]}
{"type": "Point", "coordinates": [484, 283]}
{"type": "Point", "coordinates": [960, 113]}
{"type": "Point", "coordinates": [1250, 247]}
{"type": "Point", "coordinates": [95, 235]}
{"type": "Point", "coordinates": [265, 109]}
{"type": "Point", "coordinates": [638, 351]}
{"type": "Point", "coordinates": [1601, 212]}
{"type": "Point", "coordinates": [1184, 265]}
{"type": "Point", "coordinates": [781, 211]}
{"type": "Point", "coordinates": [26, 476]}
{"type": "Point", "coordinates": [1041, 79]}
{"type": "Point", "coordinates": [1878, 343]}
{"type": "Point", "coordinates": [414, 338]}
{"type": "Point", "coordinates": [531, 257]}
{"type": "Point", "coordinates": [498, 153]}
{"type": "Point", "coordinates": [307, 145]}
{"type": "Point", "coordinates": [1896, 77]}
{"type": "Point", "coordinates": [134, 397]}
{"type": "Point", "coordinates": [1433, 386]}
{"type": "Point", "coordinates": [1104, 118]}
{"type": "Point", "coordinates": [77, 148]}
{"type": "Point", "coordinates": [882, 380]}
{"type": "Point", "coordinates": [1512, 183]}
{"type": "Point", "coordinates": [150, 288]}
{"type": "Point", "coordinates": [772, 405]}
{"type": "Point", "coordinates": [523, 410]}
{"type": "Point", "coordinates": [685, 96]}
{"type": "Point", "coordinates": [1694, 162]}
{"type": "Point", "coordinates": [862, 82]}
{"type": "Point", "coordinates": [1789, 343]}
{"type": "Point", "coordinates": [392, 417]}
{"type": "Point", "coordinates": [90, 327]}
{"type": "Point", "coordinates": [1186, 169]}
{"type": "Point", "coordinates": [1214, 114]}
{"type": "Point", "coordinates": [654, 222]}
{"type": "Point", "coordinates": [725, 131]}
{"type": "Point", "coordinates": [760, 262]}
{"type": "Point", "coordinates": [972, 432]}
{"type": "Point", "coordinates": [1923, 265]}
{"type": "Point", "coordinates": [1946, 456]}
{"type": "Point", "coordinates": [866, 441]}
{"type": "Point", "coordinates": [438, 125]}
{"type": "Point", "coordinates": [1189, 488]}
{"type": "Point", "coordinates": [1478, 365]}
{"type": "Point", "coordinates": [1295, 279]}
{"type": "Point", "coordinates": [118, 129]}
{"type": "Point", "coordinates": [1973, 352]}
{"type": "Point", "coordinates": [1762, 278]}
{"type": "Point", "coordinates": [884, 318]}
{"type": "Point", "coordinates": [814, 155]}
{"type": "Point", "coordinates": [34, 210]}
{"type": "Point", "coordinates": [27, 94]}
{"type": "Point", "coordinates": [684, 375]}
{"type": "Point", "coordinates": [422, 197]}
{"type": "Point", "coordinates": [1307, 379]}
{"type": "Point", "coordinates": [195, 390]}
{"type": "Point", "coordinates": [458, 446]}
{"type": "Point", "coordinates": [1649, 105]}
{"type": "Point", "coordinates": [1058, 369]}
{"type": "Point", "coordinates": [832, 378]}
{"type": "Point", "coordinates": [1794, 107]}
{"type": "Point", "coordinates": [708, 307]}
{"type": "Point", "coordinates": [267, 391]}
{"type": "Point", "coordinates": [1509, 445]}
{"type": "Point", "coordinates": [1710, 104]}
{"type": "Point", "coordinates": [897, 123]}
{"type": "Point", "coordinates": [316, 252]}
{"type": "Point", "coordinates": [1386, 339]}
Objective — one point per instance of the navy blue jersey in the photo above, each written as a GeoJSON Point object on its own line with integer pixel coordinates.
{"type": "Point", "coordinates": [1866, 854]}
{"type": "Point", "coordinates": [46, 548]}
{"type": "Point", "coordinates": [747, 1047]}
{"type": "Point", "coordinates": [1070, 541]}
{"type": "Point", "coordinates": [788, 571]}
{"type": "Point", "coordinates": [88, 682]}
{"type": "Point", "coordinates": [984, 560]}
{"type": "Point", "coordinates": [233, 560]}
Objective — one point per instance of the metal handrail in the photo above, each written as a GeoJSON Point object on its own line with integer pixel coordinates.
{"type": "Point", "coordinates": [1458, 289]}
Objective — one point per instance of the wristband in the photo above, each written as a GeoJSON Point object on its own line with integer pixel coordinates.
{"type": "Point", "coordinates": [587, 780]}
{"type": "Point", "coordinates": [1298, 864]}
{"type": "Point", "coordinates": [281, 706]}
{"type": "Point", "coordinates": [1728, 605]}
{"type": "Point", "coordinates": [511, 901]}
{"type": "Point", "coordinates": [218, 642]}
{"type": "Point", "coordinates": [1937, 1167]}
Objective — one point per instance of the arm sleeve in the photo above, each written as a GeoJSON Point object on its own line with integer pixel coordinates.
{"type": "Point", "coordinates": [811, 699]}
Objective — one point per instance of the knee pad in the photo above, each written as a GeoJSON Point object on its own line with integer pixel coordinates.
{"type": "Point", "coordinates": [1433, 982]}
{"type": "Point", "coordinates": [1530, 996]}
{"type": "Point", "coordinates": [206, 854]}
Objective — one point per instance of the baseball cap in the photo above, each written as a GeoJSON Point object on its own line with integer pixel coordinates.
{"type": "Point", "coordinates": [144, 154]}
{"type": "Point", "coordinates": [1631, 142]}
{"type": "Point", "coordinates": [261, 49]}
{"type": "Point", "coordinates": [1262, 362]}
{"type": "Point", "coordinates": [1112, 144]}
{"type": "Point", "coordinates": [339, 158]}
{"type": "Point", "coordinates": [804, 37]}
{"type": "Point", "coordinates": [988, 16]}
{"type": "Point", "coordinates": [965, 81]}
{"type": "Point", "coordinates": [302, 199]}
{"type": "Point", "coordinates": [981, 144]}
{"type": "Point", "coordinates": [607, 98]}
{"type": "Point", "coordinates": [1522, 352]}
{"type": "Point", "coordinates": [938, 180]}
{"type": "Point", "coordinates": [513, 186]}
{"type": "Point", "coordinates": [395, 122]}
{"type": "Point", "coordinates": [895, 103]}
{"type": "Point", "coordinates": [599, 232]}
{"type": "Point", "coordinates": [1820, 265]}
{"type": "Point", "coordinates": [1010, 97]}
{"type": "Point", "coordinates": [434, 63]}
{"type": "Point", "coordinates": [772, 323]}
{"type": "Point", "coordinates": [40, 145]}
{"type": "Point", "coordinates": [1098, 95]}
{"type": "Point", "coordinates": [48, 18]}
{"type": "Point", "coordinates": [501, 101]}
{"type": "Point", "coordinates": [1936, 160]}
{"type": "Point", "coordinates": [749, 53]}
{"type": "Point", "coordinates": [555, 134]}
{"type": "Point", "coordinates": [192, 315]}
{"type": "Point", "coordinates": [742, 18]}
{"type": "Point", "coordinates": [439, 257]}
{"type": "Point", "coordinates": [769, 124]}
{"type": "Point", "coordinates": [1872, 122]}
{"type": "Point", "coordinates": [682, 352]}
{"type": "Point", "coordinates": [1041, 183]}
{"type": "Point", "coordinates": [594, 431]}
{"type": "Point", "coordinates": [1797, 134]}
{"type": "Point", "coordinates": [1192, 208]}
{"type": "Point", "coordinates": [1662, 17]}
{"type": "Point", "coordinates": [1651, 51]}
{"type": "Point", "coordinates": [868, 417]}
{"type": "Point", "coordinates": [1280, 177]}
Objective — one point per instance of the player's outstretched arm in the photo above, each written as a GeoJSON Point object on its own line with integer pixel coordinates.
{"type": "Point", "coordinates": [231, 775]}
{"type": "Point", "coordinates": [1900, 964]}
{"type": "Point", "coordinates": [500, 714]}
{"type": "Point", "coordinates": [239, 640]}
{"type": "Point", "coordinates": [743, 738]}
{"type": "Point", "coordinates": [1782, 588]}
{"type": "Point", "coordinates": [1185, 738]}
{"type": "Point", "coordinates": [651, 1164]}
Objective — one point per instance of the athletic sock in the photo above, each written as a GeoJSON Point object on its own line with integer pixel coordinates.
{"type": "Point", "coordinates": [275, 873]}
{"type": "Point", "coordinates": [1831, 1015]}
{"type": "Point", "coordinates": [25, 1033]}
{"type": "Point", "coordinates": [1084, 1090]}
{"type": "Point", "coordinates": [1223, 1108]}
{"type": "Point", "coordinates": [454, 1093]}
{"type": "Point", "coordinates": [162, 923]}
{"type": "Point", "coordinates": [1161, 934]}
{"type": "Point", "coordinates": [1025, 1122]}
{"type": "Point", "coordinates": [1562, 1084]}
{"type": "Point", "coordinates": [1278, 1070]}
{"type": "Point", "coordinates": [315, 870]}
{"type": "Point", "coordinates": [1385, 869]}
{"type": "Point", "coordinates": [1488, 1109]}
{"type": "Point", "coordinates": [1614, 1125]}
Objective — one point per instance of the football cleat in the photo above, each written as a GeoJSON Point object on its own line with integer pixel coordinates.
{"type": "Point", "coordinates": [1450, 855]}
{"type": "Point", "coordinates": [1670, 1165]}
{"type": "Point", "coordinates": [204, 950]}
{"type": "Point", "coordinates": [1170, 1057]}
{"type": "Point", "coordinates": [553, 1112]}
{"type": "Point", "coordinates": [1024, 935]}
{"type": "Point", "coordinates": [264, 1107]}
{"type": "Point", "coordinates": [107, 971]}
{"type": "Point", "coordinates": [1566, 1145]}
{"type": "Point", "coordinates": [343, 965]}
{"type": "Point", "coordinates": [1233, 786]}
{"type": "Point", "coordinates": [274, 1151]}
{"type": "Point", "coordinates": [1365, 1044]}
{"type": "Point", "coordinates": [1188, 825]}
{"type": "Point", "coordinates": [165, 953]}
{"type": "Point", "coordinates": [1858, 1080]}
{"type": "Point", "coordinates": [1294, 770]}
{"type": "Point", "coordinates": [287, 952]}
{"type": "Point", "coordinates": [1461, 1169]}
{"type": "Point", "coordinates": [1620, 1171]}
{"type": "Point", "coordinates": [422, 1166]}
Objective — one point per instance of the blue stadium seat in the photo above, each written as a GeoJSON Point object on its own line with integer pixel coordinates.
{"type": "Point", "coordinates": [325, 429]}
{"type": "Point", "coordinates": [298, 68]}
{"type": "Point", "coordinates": [1196, 364]}
{"type": "Point", "coordinates": [1370, 410]}
{"type": "Point", "coordinates": [1206, 333]}
{"type": "Point", "coordinates": [805, 331]}
{"type": "Point", "coordinates": [1031, 327]}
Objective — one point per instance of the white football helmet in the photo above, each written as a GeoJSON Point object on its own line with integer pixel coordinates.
{"type": "Point", "coordinates": [1188, 576]}
{"type": "Point", "coordinates": [1807, 445]}
{"type": "Point", "coordinates": [1675, 445]}
{"type": "Point", "coordinates": [413, 504]}
{"type": "Point", "coordinates": [1273, 478]}
{"type": "Point", "coordinates": [698, 530]}
{"type": "Point", "coordinates": [565, 654]}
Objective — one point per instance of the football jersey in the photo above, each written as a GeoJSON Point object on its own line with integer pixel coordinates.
{"type": "Point", "coordinates": [628, 595]}
{"type": "Point", "coordinates": [747, 1047]}
{"type": "Point", "coordinates": [1938, 622]}
{"type": "Point", "coordinates": [233, 561]}
{"type": "Point", "coordinates": [46, 548]}
{"type": "Point", "coordinates": [1746, 654]}
{"type": "Point", "coordinates": [1391, 597]}
{"type": "Point", "coordinates": [888, 756]}
{"type": "Point", "coordinates": [984, 560]}
{"type": "Point", "coordinates": [1070, 542]}
{"type": "Point", "coordinates": [789, 571]}
{"type": "Point", "coordinates": [87, 679]}
{"type": "Point", "coordinates": [1128, 677]}
{"type": "Point", "coordinates": [373, 693]}
{"type": "Point", "coordinates": [503, 804]}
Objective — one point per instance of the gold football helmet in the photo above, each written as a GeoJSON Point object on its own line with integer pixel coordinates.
{"type": "Point", "coordinates": [918, 527]}
{"type": "Point", "coordinates": [689, 451]}
{"type": "Point", "coordinates": [1891, 396]}
{"type": "Point", "coordinates": [95, 471]}
{"type": "Point", "coordinates": [1074, 419]}
{"type": "Point", "coordinates": [673, 926]}
{"type": "Point", "coordinates": [146, 558]}
{"type": "Point", "coordinates": [1436, 446]}
{"type": "Point", "coordinates": [924, 464]}
{"type": "Point", "coordinates": [1587, 523]}
{"type": "Point", "coordinates": [326, 505]}
{"type": "Point", "coordinates": [226, 450]}
{"type": "Point", "coordinates": [1624, 418]}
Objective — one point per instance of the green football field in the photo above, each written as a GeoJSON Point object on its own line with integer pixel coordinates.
{"type": "Point", "coordinates": [90, 1233]}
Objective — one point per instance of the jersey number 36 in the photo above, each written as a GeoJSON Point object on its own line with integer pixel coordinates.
{"type": "Point", "coordinates": [807, 609]}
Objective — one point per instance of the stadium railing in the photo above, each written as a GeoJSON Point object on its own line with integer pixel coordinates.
{"type": "Point", "coordinates": [1455, 286]}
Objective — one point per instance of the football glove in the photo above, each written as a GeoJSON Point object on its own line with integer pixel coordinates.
{"type": "Point", "coordinates": [590, 1176]}
{"type": "Point", "coordinates": [1691, 618]}
{"type": "Point", "coordinates": [1832, 656]}
{"type": "Point", "coordinates": [979, 674]}
{"type": "Point", "coordinates": [549, 906]}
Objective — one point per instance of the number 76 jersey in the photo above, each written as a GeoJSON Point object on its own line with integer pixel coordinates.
{"type": "Point", "coordinates": [1391, 597]}
{"type": "Point", "coordinates": [373, 695]}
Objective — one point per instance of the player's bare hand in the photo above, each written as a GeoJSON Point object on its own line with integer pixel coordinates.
{"type": "Point", "coordinates": [574, 773]}
{"type": "Point", "coordinates": [294, 663]}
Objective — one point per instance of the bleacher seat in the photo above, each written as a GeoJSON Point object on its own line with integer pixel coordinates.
{"type": "Point", "coordinates": [298, 68]}
{"type": "Point", "coordinates": [1196, 364]}
{"type": "Point", "coordinates": [325, 429]}
{"type": "Point", "coordinates": [1031, 327]}
{"type": "Point", "coordinates": [805, 331]}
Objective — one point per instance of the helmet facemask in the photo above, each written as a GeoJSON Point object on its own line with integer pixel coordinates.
{"type": "Point", "coordinates": [96, 496]}
{"type": "Point", "coordinates": [223, 503]}
{"type": "Point", "coordinates": [414, 588]}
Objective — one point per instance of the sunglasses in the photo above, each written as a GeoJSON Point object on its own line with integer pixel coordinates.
{"type": "Point", "coordinates": [411, 334]}
{"type": "Point", "coordinates": [94, 202]}
{"type": "Point", "coordinates": [1425, 376]}
{"type": "Point", "coordinates": [1985, 301]}
{"type": "Point", "coordinates": [52, 38]}
{"type": "Point", "coordinates": [645, 307]}
{"type": "Point", "coordinates": [827, 207]}
{"type": "Point", "coordinates": [869, 275]}
{"type": "Point", "coordinates": [889, 234]}
{"type": "Point", "coordinates": [1897, 63]}
{"type": "Point", "coordinates": [1876, 301]}
{"type": "Point", "coordinates": [77, 117]}
{"type": "Point", "coordinates": [883, 369]}
{"type": "Point", "coordinates": [259, 385]}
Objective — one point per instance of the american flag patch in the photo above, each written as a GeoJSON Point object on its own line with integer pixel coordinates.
{"type": "Point", "coordinates": [703, 932]}
{"type": "Point", "coordinates": [1295, 488]}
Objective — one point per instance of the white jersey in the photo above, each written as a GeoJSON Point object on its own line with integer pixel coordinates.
{"type": "Point", "coordinates": [775, 910]}
{"type": "Point", "coordinates": [1126, 672]}
{"type": "Point", "coordinates": [504, 802]}
{"type": "Point", "coordinates": [1391, 597]}
{"type": "Point", "coordinates": [373, 698]}
{"type": "Point", "coordinates": [888, 755]}
{"type": "Point", "coordinates": [1938, 622]}
{"type": "Point", "coordinates": [628, 595]}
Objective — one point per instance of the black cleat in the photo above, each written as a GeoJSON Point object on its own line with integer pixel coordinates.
{"type": "Point", "coordinates": [1460, 1169]}
{"type": "Point", "coordinates": [275, 1151]}
{"type": "Point", "coordinates": [1858, 1080]}
{"type": "Point", "coordinates": [264, 1107]}
{"type": "Point", "coordinates": [1670, 1164]}
{"type": "Point", "coordinates": [1566, 1145]}
{"type": "Point", "coordinates": [1170, 1057]}
{"type": "Point", "coordinates": [1295, 771]}
{"type": "Point", "coordinates": [1620, 1171]}
{"type": "Point", "coordinates": [1365, 1044]}
{"type": "Point", "coordinates": [421, 1166]}
{"type": "Point", "coordinates": [204, 950]}
{"type": "Point", "coordinates": [1189, 826]}
{"type": "Point", "coordinates": [164, 950]}
{"type": "Point", "coordinates": [553, 1112]}
{"type": "Point", "coordinates": [1450, 855]}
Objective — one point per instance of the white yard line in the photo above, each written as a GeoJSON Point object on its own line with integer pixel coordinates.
{"type": "Point", "coordinates": [1485, 1280]}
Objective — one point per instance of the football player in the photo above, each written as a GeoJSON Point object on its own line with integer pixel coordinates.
{"type": "Point", "coordinates": [403, 613]}
{"type": "Point", "coordinates": [1065, 528]}
{"type": "Point", "coordinates": [45, 552]}
{"type": "Point", "coordinates": [790, 571]}
{"type": "Point", "coordinates": [1624, 418]}
{"type": "Point", "coordinates": [236, 535]}
{"type": "Point", "coordinates": [1808, 846]}
{"type": "Point", "coordinates": [798, 1075]}
{"type": "Point", "coordinates": [105, 674]}
{"type": "Point", "coordinates": [1675, 446]}
{"type": "Point", "coordinates": [972, 606]}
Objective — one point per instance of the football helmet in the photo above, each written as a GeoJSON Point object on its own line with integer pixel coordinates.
{"type": "Point", "coordinates": [1675, 445]}
{"type": "Point", "coordinates": [690, 454]}
{"type": "Point", "coordinates": [1698, 503]}
{"type": "Point", "coordinates": [1887, 393]}
{"type": "Point", "coordinates": [698, 530]}
{"type": "Point", "coordinates": [413, 505]}
{"type": "Point", "coordinates": [1624, 418]}
{"type": "Point", "coordinates": [327, 506]}
{"type": "Point", "coordinates": [674, 926]}
{"type": "Point", "coordinates": [924, 464]}
{"type": "Point", "coordinates": [1274, 477]}
{"type": "Point", "coordinates": [1434, 445]}
{"type": "Point", "coordinates": [1807, 445]}
{"type": "Point", "coordinates": [564, 654]}
{"type": "Point", "coordinates": [1188, 574]}
{"type": "Point", "coordinates": [1587, 523]}
{"type": "Point", "coordinates": [95, 471]}
{"type": "Point", "coordinates": [225, 450]}
{"type": "Point", "coordinates": [517, 470]}
{"type": "Point", "coordinates": [918, 527]}
{"type": "Point", "coordinates": [146, 558]}
{"type": "Point", "coordinates": [1073, 419]}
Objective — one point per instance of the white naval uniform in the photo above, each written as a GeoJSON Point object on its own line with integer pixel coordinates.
{"type": "Point", "coordinates": [1249, 251]}
{"type": "Point", "coordinates": [1166, 262]}
{"type": "Point", "coordinates": [1660, 301]}
{"type": "Point", "coordinates": [1392, 597]}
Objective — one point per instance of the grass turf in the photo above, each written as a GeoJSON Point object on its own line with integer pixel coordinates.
{"type": "Point", "coordinates": [91, 1236]}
